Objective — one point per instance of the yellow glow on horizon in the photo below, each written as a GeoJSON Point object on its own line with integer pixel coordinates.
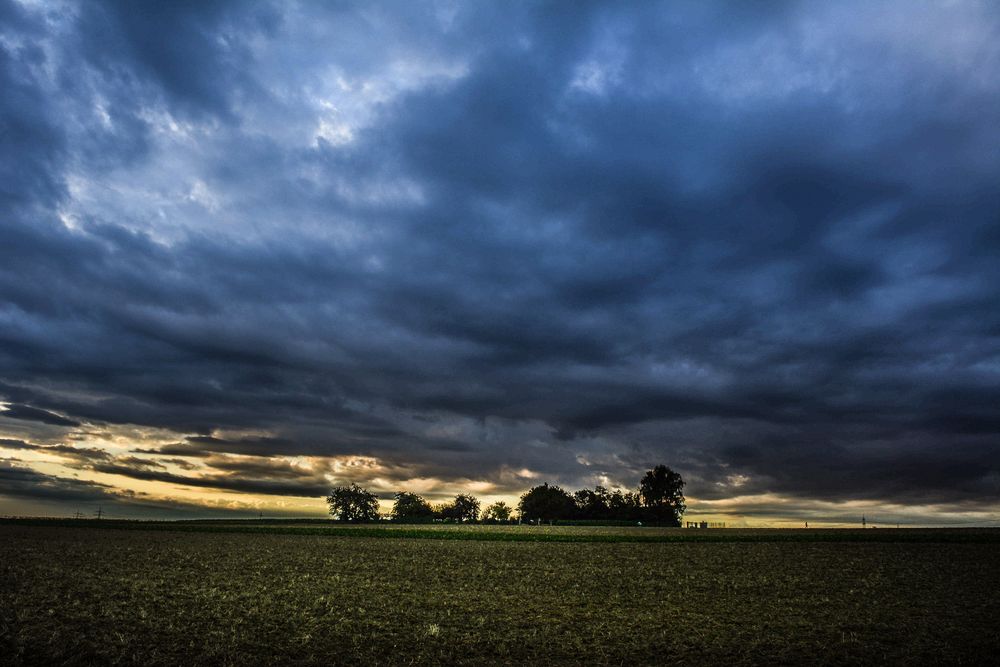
{"type": "Point", "coordinates": [739, 510]}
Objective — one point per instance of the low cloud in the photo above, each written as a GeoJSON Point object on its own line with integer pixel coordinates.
{"type": "Point", "coordinates": [17, 480]}
{"type": "Point", "coordinates": [16, 411]}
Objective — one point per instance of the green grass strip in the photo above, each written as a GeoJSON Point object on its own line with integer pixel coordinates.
{"type": "Point", "coordinates": [533, 534]}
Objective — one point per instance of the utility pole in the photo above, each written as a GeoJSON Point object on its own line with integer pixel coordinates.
{"type": "Point", "coordinates": [100, 513]}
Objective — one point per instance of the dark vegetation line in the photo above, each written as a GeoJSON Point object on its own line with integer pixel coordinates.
{"type": "Point", "coordinates": [533, 534]}
{"type": "Point", "coordinates": [659, 500]}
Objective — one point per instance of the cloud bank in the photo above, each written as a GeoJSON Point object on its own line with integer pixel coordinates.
{"type": "Point", "coordinates": [479, 245]}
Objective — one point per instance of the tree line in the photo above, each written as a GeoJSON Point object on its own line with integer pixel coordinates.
{"type": "Point", "coordinates": [658, 499]}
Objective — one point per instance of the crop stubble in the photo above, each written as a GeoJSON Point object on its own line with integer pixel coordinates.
{"type": "Point", "coordinates": [83, 595]}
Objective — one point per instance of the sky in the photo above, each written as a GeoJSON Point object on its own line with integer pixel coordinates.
{"type": "Point", "coordinates": [250, 251]}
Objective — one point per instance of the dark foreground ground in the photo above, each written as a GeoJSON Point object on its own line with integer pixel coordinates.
{"type": "Point", "coordinates": [89, 595]}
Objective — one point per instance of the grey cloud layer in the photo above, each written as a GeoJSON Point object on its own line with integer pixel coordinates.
{"type": "Point", "coordinates": [746, 241]}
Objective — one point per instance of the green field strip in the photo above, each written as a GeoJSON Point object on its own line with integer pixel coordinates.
{"type": "Point", "coordinates": [532, 534]}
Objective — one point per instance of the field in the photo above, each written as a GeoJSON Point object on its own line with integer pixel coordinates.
{"type": "Point", "coordinates": [249, 593]}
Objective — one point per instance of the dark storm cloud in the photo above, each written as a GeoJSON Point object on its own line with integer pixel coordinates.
{"type": "Point", "coordinates": [12, 443]}
{"type": "Point", "coordinates": [16, 411]}
{"type": "Point", "coordinates": [19, 481]}
{"type": "Point", "coordinates": [237, 474]}
{"type": "Point", "coordinates": [202, 446]}
{"type": "Point", "coordinates": [29, 131]}
{"type": "Point", "coordinates": [183, 464]}
{"type": "Point", "coordinates": [190, 57]}
{"type": "Point", "coordinates": [303, 483]}
{"type": "Point", "coordinates": [67, 451]}
{"type": "Point", "coordinates": [756, 242]}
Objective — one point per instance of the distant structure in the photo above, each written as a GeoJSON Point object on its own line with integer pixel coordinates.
{"type": "Point", "coordinates": [704, 524]}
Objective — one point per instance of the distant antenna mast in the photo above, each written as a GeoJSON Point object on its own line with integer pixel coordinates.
{"type": "Point", "coordinates": [100, 513]}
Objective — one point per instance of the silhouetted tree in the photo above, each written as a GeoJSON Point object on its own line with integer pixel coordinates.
{"type": "Point", "coordinates": [624, 506]}
{"type": "Point", "coordinates": [411, 506]}
{"type": "Point", "coordinates": [661, 492]}
{"type": "Point", "coordinates": [498, 511]}
{"type": "Point", "coordinates": [547, 503]}
{"type": "Point", "coordinates": [353, 503]}
{"type": "Point", "coordinates": [591, 505]}
{"type": "Point", "coordinates": [463, 508]}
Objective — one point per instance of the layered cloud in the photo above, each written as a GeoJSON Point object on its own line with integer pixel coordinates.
{"type": "Point", "coordinates": [484, 244]}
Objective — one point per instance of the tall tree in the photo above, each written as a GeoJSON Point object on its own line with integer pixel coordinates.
{"type": "Point", "coordinates": [547, 503]}
{"type": "Point", "coordinates": [592, 504]}
{"type": "Point", "coordinates": [463, 508]}
{"type": "Point", "coordinates": [662, 493]}
{"type": "Point", "coordinates": [410, 506]}
{"type": "Point", "coordinates": [624, 506]}
{"type": "Point", "coordinates": [353, 503]}
{"type": "Point", "coordinates": [498, 511]}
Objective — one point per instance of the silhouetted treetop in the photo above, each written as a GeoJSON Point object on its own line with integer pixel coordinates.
{"type": "Point", "coordinates": [547, 503]}
{"type": "Point", "coordinates": [411, 506]}
{"type": "Point", "coordinates": [353, 503]}
{"type": "Point", "coordinates": [661, 492]}
{"type": "Point", "coordinates": [463, 508]}
{"type": "Point", "coordinates": [498, 511]}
